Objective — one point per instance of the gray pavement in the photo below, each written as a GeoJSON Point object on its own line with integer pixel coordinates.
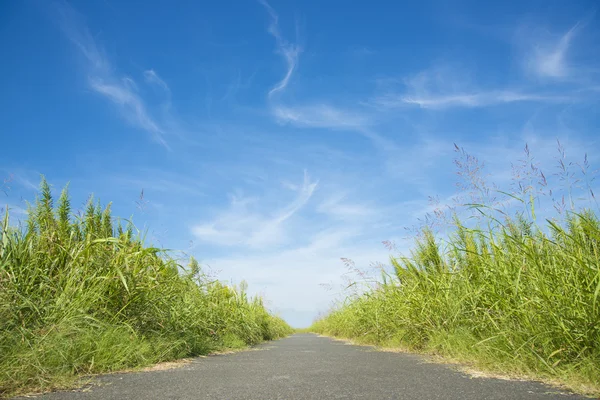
{"type": "Point", "coordinates": [305, 366]}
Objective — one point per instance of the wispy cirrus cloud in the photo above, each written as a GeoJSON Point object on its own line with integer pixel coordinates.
{"type": "Point", "coordinates": [152, 78]}
{"type": "Point", "coordinates": [547, 57]}
{"type": "Point", "coordinates": [467, 100]}
{"type": "Point", "coordinates": [23, 179]}
{"type": "Point", "coordinates": [310, 113]}
{"type": "Point", "coordinates": [442, 87]}
{"type": "Point", "coordinates": [321, 115]}
{"type": "Point", "coordinates": [289, 51]}
{"type": "Point", "coordinates": [246, 224]}
{"type": "Point", "coordinates": [130, 104]}
{"type": "Point", "coordinates": [339, 208]}
{"type": "Point", "coordinates": [121, 91]}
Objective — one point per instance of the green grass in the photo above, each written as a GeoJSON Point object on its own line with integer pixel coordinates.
{"type": "Point", "coordinates": [505, 295]}
{"type": "Point", "coordinates": [83, 295]}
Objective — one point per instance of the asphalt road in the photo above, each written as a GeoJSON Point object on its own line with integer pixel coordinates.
{"type": "Point", "coordinates": [306, 366]}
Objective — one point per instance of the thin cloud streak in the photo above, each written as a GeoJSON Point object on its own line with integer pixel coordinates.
{"type": "Point", "coordinates": [324, 116]}
{"type": "Point", "coordinates": [315, 115]}
{"type": "Point", "coordinates": [130, 105]}
{"type": "Point", "coordinates": [320, 116]}
{"type": "Point", "coordinates": [152, 77]}
{"type": "Point", "coordinates": [445, 86]}
{"type": "Point", "coordinates": [289, 51]}
{"type": "Point", "coordinates": [312, 115]}
{"type": "Point", "coordinates": [121, 92]}
{"type": "Point", "coordinates": [305, 193]}
{"type": "Point", "coordinates": [467, 100]}
{"type": "Point", "coordinates": [549, 60]}
{"type": "Point", "coordinates": [242, 226]}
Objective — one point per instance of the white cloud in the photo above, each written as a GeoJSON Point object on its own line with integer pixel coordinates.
{"type": "Point", "coordinates": [152, 77]}
{"type": "Point", "coordinates": [444, 87]}
{"type": "Point", "coordinates": [243, 225]}
{"type": "Point", "coordinates": [304, 194]}
{"type": "Point", "coordinates": [289, 51]}
{"type": "Point", "coordinates": [101, 78]}
{"type": "Point", "coordinates": [131, 105]}
{"type": "Point", "coordinates": [303, 279]}
{"type": "Point", "coordinates": [26, 183]}
{"type": "Point", "coordinates": [311, 114]}
{"type": "Point", "coordinates": [320, 116]}
{"type": "Point", "coordinates": [467, 100]}
{"type": "Point", "coordinates": [339, 208]}
{"type": "Point", "coordinates": [548, 58]}
{"type": "Point", "coordinates": [75, 30]}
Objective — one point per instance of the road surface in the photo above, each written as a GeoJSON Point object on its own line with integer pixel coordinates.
{"type": "Point", "coordinates": [305, 366]}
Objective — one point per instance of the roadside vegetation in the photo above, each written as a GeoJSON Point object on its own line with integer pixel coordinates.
{"type": "Point", "coordinates": [82, 294]}
{"type": "Point", "coordinates": [498, 280]}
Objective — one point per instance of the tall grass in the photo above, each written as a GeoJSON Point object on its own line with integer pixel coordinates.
{"type": "Point", "coordinates": [83, 295]}
{"type": "Point", "coordinates": [505, 293]}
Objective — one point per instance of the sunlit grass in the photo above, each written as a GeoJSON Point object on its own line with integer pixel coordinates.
{"type": "Point", "coordinates": [505, 293]}
{"type": "Point", "coordinates": [84, 295]}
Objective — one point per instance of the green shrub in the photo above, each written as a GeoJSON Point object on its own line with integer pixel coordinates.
{"type": "Point", "coordinates": [83, 295]}
{"type": "Point", "coordinates": [512, 296]}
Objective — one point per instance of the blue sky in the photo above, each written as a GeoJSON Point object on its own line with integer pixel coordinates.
{"type": "Point", "coordinates": [272, 139]}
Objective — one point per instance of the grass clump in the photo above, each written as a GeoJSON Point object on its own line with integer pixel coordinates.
{"type": "Point", "coordinates": [84, 295]}
{"type": "Point", "coordinates": [505, 293]}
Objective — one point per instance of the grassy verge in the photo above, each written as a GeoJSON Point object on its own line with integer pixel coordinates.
{"type": "Point", "coordinates": [507, 295]}
{"type": "Point", "coordinates": [84, 295]}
